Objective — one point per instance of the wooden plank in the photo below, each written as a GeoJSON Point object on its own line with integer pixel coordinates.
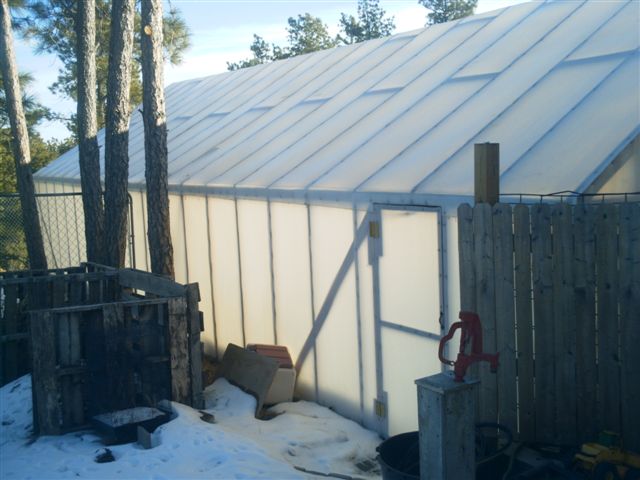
{"type": "Point", "coordinates": [630, 323]}
{"type": "Point", "coordinates": [179, 350]}
{"type": "Point", "coordinates": [47, 413]}
{"type": "Point", "coordinates": [58, 292]}
{"type": "Point", "coordinates": [466, 259]}
{"type": "Point", "coordinates": [76, 291]}
{"type": "Point", "coordinates": [128, 303]}
{"type": "Point", "coordinates": [564, 319]}
{"type": "Point", "coordinates": [75, 359]}
{"type": "Point", "coordinates": [150, 283]}
{"type": "Point", "coordinates": [485, 305]}
{"type": "Point", "coordinates": [541, 250]}
{"type": "Point", "coordinates": [195, 345]}
{"type": "Point", "coordinates": [585, 308]}
{"type": "Point", "coordinates": [50, 278]}
{"type": "Point", "coordinates": [607, 302]}
{"type": "Point", "coordinates": [505, 316]}
{"type": "Point", "coordinates": [118, 380]}
{"type": "Point", "coordinates": [10, 321]}
{"type": "Point", "coordinates": [524, 326]}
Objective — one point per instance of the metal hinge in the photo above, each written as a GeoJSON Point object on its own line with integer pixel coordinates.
{"type": "Point", "coordinates": [374, 229]}
{"type": "Point", "coordinates": [380, 408]}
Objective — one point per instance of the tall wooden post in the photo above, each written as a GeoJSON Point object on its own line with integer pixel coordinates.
{"type": "Point", "coordinates": [487, 172]}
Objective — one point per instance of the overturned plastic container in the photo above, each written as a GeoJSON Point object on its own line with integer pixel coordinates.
{"type": "Point", "coordinates": [121, 426]}
{"type": "Point", "coordinates": [399, 457]}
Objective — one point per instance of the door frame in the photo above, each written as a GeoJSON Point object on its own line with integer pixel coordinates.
{"type": "Point", "coordinates": [375, 252]}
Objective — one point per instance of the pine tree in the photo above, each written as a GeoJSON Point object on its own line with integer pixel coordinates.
{"type": "Point", "coordinates": [371, 23]}
{"type": "Point", "coordinates": [22, 154]}
{"type": "Point", "coordinates": [447, 10]}
{"type": "Point", "coordinates": [89, 153]}
{"type": "Point", "coordinates": [117, 131]}
{"type": "Point", "coordinates": [155, 139]}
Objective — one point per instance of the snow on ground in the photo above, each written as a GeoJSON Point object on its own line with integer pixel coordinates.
{"type": "Point", "coordinates": [237, 446]}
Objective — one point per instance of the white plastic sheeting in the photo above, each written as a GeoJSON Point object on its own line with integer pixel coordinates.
{"type": "Point", "coordinates": [401, 114]}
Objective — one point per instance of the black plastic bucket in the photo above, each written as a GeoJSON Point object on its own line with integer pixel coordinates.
{"type": "Point", "coordinates": [399, 457]}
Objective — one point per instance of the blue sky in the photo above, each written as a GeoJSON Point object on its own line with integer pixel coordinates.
{"type": "Point", "coordinates": [222, 31]}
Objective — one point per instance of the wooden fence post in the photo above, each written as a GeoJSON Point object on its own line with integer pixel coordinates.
{"type": "Point", "coordinates": [194, 323]}
{"type": "Point", "coordinates": [44, 377]}
{"type": "Point", "coordinates": [179, 335]}
{"type": "Point", "coordinates": [487, 172]}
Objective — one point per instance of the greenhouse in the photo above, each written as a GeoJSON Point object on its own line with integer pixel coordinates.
{"type": "Point", "coordinates": [314, 199]}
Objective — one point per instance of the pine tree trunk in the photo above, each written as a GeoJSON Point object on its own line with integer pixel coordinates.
{"type": "Point", "coordinates": [21, 152]}
{"type": "Point", "coordinates": [87, 131]}
{"type": "Point", "coordinates": [155, 139]}
{"type": "Point", "coordinates": [117, 131]}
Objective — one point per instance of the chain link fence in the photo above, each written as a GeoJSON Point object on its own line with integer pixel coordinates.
{"type": "Point", "coordinates": [62, 224]}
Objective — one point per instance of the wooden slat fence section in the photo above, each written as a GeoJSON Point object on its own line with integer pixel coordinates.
{"type": "Point", "coordinates": [557, 288]}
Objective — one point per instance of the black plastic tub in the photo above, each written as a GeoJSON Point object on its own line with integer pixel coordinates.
{"type": "Point", "coordinates": [122, 426]}
{"type": "Point", "coordinates": [399, 457]}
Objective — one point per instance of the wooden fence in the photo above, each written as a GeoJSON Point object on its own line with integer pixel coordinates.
{"type": "Point", "coordinates": [557, 288]}
{"type": "Point", "coordinates": [99, 340]}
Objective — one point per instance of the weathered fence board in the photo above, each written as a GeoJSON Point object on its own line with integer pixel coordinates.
{"type": "Point", "coordinates": [541, 247]}
{"type": "Point", "coordinates": [467, 272]}
{"type": "Point", "coordinates": [585, 308]}
{"type": "Point", "coordinates": [629, 321]}
{"type": "Point", "coordinates": [607, 291]}
{"type": "Point", "coordinates": [180, 385]}
{"type": "Point", "coordinates": [10, 326]}
{"type": "Point", "coordinates": [505, 326]}
{"type": "Point", "coordinates": [559, 287]}
{"type": "Point", "coordinates": [524, 325]}
{"type": "Point", "coordinates": [564, 322]}
{"type": "Point", "coordinates": [485, 305]}
{"type": "Point", "coordinates": [45, 381]}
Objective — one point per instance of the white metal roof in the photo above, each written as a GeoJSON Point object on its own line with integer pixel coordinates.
{"type": "Point", "coordinates": [556, 83]}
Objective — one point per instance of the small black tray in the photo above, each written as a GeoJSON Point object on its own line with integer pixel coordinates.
{"type": "Point", "coordinates": [121, 426]}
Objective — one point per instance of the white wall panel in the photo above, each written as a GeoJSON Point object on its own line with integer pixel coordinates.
{"type": "Point", "coordinates": [140, 230]}
{"type": "Point", "coordinates": [226, 272]}
{"type": "Point", "coordinates": [337, 343]}
{"type": "Point", "coordinates": [177, 238]}
{"type": "Point", "coordinates": [195, 211]}
{"type": "Point", "coordinates": [253, 227]}
{"type": "Point", "coordinates": [292, 284]}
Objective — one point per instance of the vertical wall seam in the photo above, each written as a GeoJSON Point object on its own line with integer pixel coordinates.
{"type": "Point", "coordinates": [184, 235]}
{"type": "Point", "coordinates": [144, 231]}
{"type": "Point", "coordinates": [358, 313]}
{"type": "Point", "coordinates": [273, 289]}
{"type": "Point", "coordinates": [244, 335]}
{"type": "Point", "coordinates": [444, 278]}
{"type": "Point", "coordinates": [313, 307]}
{"type": "Point", "coordinates": [213, 302]}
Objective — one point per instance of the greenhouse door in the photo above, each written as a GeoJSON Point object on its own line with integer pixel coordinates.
{"type": "Point", "coordinates": [408, 308]}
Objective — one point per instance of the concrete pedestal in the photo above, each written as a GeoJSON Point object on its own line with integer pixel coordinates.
{"type": "Point", "coordinates": [447, 418]}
